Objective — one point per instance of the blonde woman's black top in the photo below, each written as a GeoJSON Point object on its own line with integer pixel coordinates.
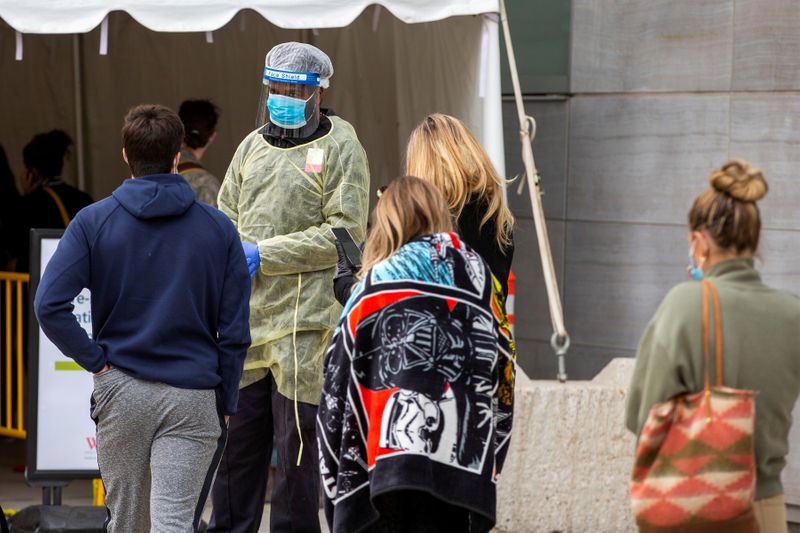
{"type": "Point", "coordinates": [484, 241]}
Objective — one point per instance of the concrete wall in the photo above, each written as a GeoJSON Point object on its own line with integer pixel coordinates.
{"type": "Point", "coordinates": [661, 92]}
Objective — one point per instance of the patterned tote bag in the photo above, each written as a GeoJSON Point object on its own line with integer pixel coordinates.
{"type": "Point", "coordinates": [695, 468]}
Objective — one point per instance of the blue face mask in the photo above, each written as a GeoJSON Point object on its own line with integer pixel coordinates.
{"type": "Point", "coordinates": [694, 270]}
{"type": "Point", "coordinates": [287, 112]}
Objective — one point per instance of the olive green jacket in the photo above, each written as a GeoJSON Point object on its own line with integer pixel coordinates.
{"type": "Point", "coordinates": [761, 343]}
{"type": "Point", "coordinates": [204, 184]}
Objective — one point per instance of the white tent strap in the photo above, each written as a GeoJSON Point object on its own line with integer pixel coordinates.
{"type": "Point", "coordinates": [210, 37]}
{"type": "Point", "coordinates": [18, 53]}
{"type": "Point", "coordinates": [484, 65]}
{"type": "Point", "coordinates": [491, 105]}
{"type": "Point", "coordinates": [483, 71]}
{"type": "Point", "coordinates": [104, 37]}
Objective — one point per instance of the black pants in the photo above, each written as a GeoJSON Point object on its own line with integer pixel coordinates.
{"type": "Point", "coordinates": [241, 483]}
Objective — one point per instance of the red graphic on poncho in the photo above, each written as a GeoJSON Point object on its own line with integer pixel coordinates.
{"type": "Point", "coordinates": [374, 405]}
{"type": "Point", "coordinates": [375, 303]}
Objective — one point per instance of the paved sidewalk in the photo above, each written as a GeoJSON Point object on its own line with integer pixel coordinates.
{"type": "Point", "coordinates": [16, 494]}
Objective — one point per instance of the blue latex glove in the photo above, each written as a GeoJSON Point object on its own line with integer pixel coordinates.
{"type": "Point", "coordinates": [252, 256]}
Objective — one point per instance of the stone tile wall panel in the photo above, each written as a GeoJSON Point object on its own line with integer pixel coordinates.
{"type": "Point", "coordinates": [765, 130]}
{"type": "Point", "coordinates": [643, 158]}
{"type": "Point", "coordinates": [766, 45]}
{"type": "Point", "coordinates": [616, 274]}
{"type": "Point", "coordinates": [549, 152]}
{"type": "Point", "coordinates": [530, 308]}
{"type": "Point", "coordinates": [653, 45]}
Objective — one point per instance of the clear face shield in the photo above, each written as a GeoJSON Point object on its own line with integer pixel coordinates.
{"type": "Point", "coordinates": [288, 105]}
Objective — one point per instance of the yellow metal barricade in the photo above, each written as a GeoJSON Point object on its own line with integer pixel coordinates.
{"type": "Point", "coordinates": [12, 288]}
{"type": "Point", "coordinates": [98, 492]}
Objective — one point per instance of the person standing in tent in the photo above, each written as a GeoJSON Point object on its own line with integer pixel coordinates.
{"type": "Point", "coordinates": [199, 119]}
{"type": "Point", "coordinates": [47, 201]}
{"type": "Point", "coordinates": [302, 172]}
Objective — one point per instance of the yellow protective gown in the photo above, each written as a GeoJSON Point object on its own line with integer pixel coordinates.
{"type": "Point", "coordinates": [283, 200]}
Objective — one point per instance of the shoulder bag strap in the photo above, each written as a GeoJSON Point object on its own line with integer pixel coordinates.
{"type": "Point", "coordinates": [61, 209]}
{"type": "Point", "coordinates": [186, 166]}
{"type": "Point", "coordinates": [717, 332]}
{"type": "Point", "coordinates": [709, 289]}
{"type": "Point", "coordinates": [705, 316]}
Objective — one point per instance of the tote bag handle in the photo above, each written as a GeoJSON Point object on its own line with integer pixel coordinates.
{"type": "Point", "coordinates": [709, 288]}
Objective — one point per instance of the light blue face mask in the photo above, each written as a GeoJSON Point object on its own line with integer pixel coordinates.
{"type": "Point", "coordinates": [694, 270]}
{"type": "Point", "coordinates": [287, 112]}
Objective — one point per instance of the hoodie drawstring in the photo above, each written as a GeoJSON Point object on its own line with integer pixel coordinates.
{"type": "Point", "coordinates": [294, 346]}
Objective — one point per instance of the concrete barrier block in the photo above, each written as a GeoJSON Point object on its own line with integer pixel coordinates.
{"type": "Point", "coordinates": [570, 459]}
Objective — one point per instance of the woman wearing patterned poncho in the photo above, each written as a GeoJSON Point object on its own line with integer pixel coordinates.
{"type": "Point", "coordinates": [417, 404]}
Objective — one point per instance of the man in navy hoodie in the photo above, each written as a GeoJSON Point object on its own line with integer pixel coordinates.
{"type": "Point", "coordinates": [170, 307]}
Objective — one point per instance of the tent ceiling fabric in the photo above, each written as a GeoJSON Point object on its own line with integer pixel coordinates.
{"type": "Point", "coordinates": [388, 75]}
{"type": "Point", "coordinates": [81, 16]}
{"type": "Point", "coordinates": [385, 82]}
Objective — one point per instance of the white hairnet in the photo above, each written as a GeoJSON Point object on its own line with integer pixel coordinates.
{"type": "Point", "coordinates": [300, 57]}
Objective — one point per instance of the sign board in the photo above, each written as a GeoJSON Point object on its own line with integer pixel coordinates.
{"type": "Point", "coordinates": [61, 435]}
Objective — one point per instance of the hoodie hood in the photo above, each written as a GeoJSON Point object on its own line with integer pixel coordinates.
{"type": "Point", "coordinates": [154, 196]}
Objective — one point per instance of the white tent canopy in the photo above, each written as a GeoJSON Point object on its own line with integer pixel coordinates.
{"type": "Point", "coordinates": [394, 63]}
{"type": "Point", "coordinates": [81, 16]}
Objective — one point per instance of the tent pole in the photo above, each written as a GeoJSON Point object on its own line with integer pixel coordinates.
{"type": "Point", "coordinates": [560, 339]}
{"type": "Point", "coordinates": [79, 130]}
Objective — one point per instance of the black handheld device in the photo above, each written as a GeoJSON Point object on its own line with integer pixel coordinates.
{"type": "Point", "coordinates": [351, 249]}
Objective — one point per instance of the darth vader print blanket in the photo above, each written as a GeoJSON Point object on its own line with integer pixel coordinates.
{"type": "Point", "coordinates": [419, 388]}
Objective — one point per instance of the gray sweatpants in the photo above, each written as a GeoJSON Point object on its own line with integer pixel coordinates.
{"type": "Point", "coordinates": [158, 447]}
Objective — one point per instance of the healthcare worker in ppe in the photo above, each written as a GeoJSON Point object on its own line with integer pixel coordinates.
{"type": "Point", "coordinates": [299, 174]}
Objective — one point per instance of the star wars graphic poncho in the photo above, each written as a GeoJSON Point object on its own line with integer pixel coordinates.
{"type": "Point", "coordinates": [419, 387]}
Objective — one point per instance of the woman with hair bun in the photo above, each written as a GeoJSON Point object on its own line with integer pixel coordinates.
{"type": "Point", "coordinates": [760, 332]}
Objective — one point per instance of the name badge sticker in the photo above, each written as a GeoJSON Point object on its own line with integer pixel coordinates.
{"type": "Point", "coordinates": [314, 160]}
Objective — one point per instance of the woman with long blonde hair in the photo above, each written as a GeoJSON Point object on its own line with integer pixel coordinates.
{"type": "Point", "coordinates": [416, 409]}
{"type": "Point", "coordinates": [444, 152]}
